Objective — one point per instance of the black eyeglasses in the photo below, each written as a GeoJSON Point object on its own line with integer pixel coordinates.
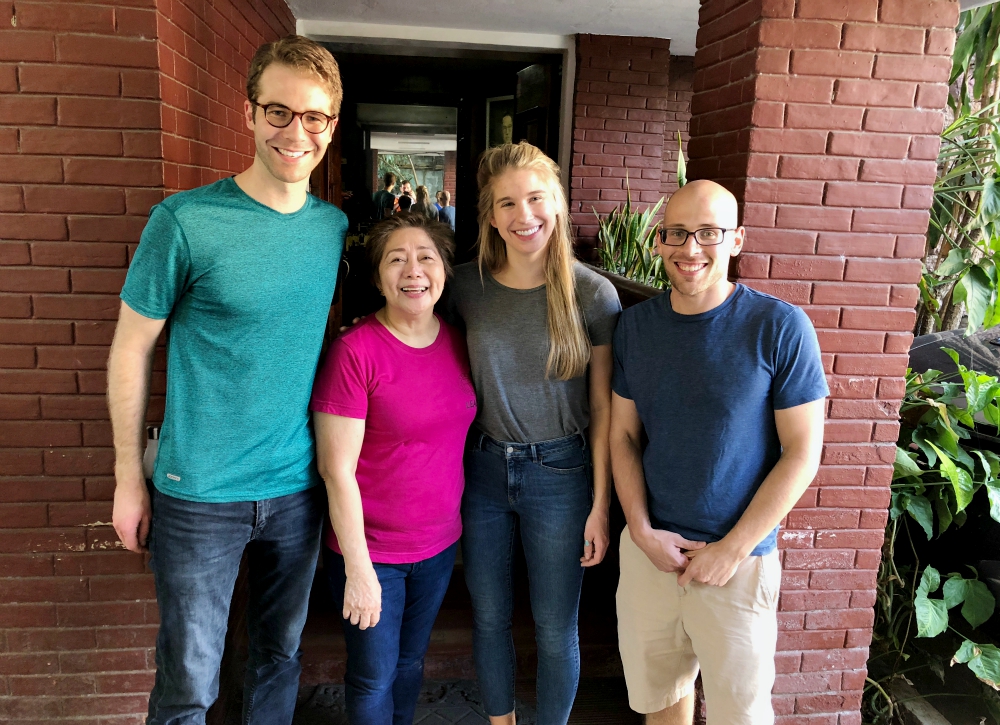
{"type": "Point", "coordinates": [279, 116]}
{"type": "Point", "coordinates": [707, 237]}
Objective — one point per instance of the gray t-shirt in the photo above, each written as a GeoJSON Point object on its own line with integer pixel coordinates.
{"type": "Point", "coordinates": [507, 334]}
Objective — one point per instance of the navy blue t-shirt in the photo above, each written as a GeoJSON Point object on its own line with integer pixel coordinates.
{"type": "Point", "coordinates": [706, 387]}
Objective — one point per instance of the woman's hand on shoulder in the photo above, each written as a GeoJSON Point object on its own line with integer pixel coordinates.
{"type": "Point", "coordinates": [363, 598]}
{"type": "Point", "coordinates": [595, 535]}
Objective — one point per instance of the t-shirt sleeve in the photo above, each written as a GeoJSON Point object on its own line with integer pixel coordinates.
{"type": "Point", "coordinates": [341, 387]}
{"type": "Point", "coordinates": [161, 267]}
{"type": "Point", "coordinates": [798, 370]}
{"type": "Point", "coordinates": [618, 382]}
{"type": "Point", "coordinates": [602, 311]}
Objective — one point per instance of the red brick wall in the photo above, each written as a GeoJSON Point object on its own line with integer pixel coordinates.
{"type": "Point", "coordinates": [618, 126]}
{"type": "Point", "coordinates": [80, 166]}
{"type": "Point", "coordinates": [204, 52]}
{"type": "Point", "coordinates": [678, 119]}
{"type": "Point", "coordinates": [823, 117]}
{"type": "Point", "coordinates": [449, 174]}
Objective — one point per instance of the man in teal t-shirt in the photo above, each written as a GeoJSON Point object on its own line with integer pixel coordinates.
{"type": "Point", "coordinates": [242, 274]}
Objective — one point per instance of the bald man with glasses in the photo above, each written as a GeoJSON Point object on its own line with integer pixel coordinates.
{"type": "Point", "coordinates": [729, 386]}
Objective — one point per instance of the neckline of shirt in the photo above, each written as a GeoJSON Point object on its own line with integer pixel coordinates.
{"type": "Point", "coordinates": [384, 332]}
{"type": "Point", "coordinates": [235, 188]}
{"type": "Point", "coordinates": [708, 314]}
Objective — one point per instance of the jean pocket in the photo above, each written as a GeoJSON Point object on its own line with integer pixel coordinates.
{"type": "Point", "coordinates": [769, 579]}
{"type": "Point", "coordinates": [568, 462]}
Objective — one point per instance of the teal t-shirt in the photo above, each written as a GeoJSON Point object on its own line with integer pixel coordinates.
{"type": "Point", "coordinates": [246, 291]}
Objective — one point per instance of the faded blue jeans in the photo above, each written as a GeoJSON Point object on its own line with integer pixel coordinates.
{"type": "Point", "coordinates": [385, 663]}
{"type": "Point", "coordinates": [195, 556]}
{"type": "Point", "coordinates": [546, 488]}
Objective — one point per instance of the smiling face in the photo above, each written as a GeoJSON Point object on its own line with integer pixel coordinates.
{"type": "Point", "coordinates": [524, 211]}
{"type": "Point", "coordinates": [412, 273]}
{"type": "Point", "coordinates": [289, 154]}
{"type": "Point", "coordinates": [698, 274]}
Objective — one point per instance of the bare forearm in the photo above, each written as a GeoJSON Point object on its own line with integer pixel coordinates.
{"type": "Point", "coordinates": [776, 496]}
{"type": "Point", "coordinates": [128, 396]}
{"type": "Point", "coordinates": [347, 516]}
{"type": "Point", "coordinates": [630, 482]}
{"type": "Point", "coordinates": [600, 447]}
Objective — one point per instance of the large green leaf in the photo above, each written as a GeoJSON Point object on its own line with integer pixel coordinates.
{"type": "Point", "coordinates": [954, 591]}
{"type": "Point", "coordinates": [974, 289]}
{"type": "Point", "coordinates": [905, 464]}
{"type": "Point", "coordinates": [983, 660]}
{"type": "Point", "coordinates": [979, 603]}
{"type": "Point", "coordinates": [930, 580]}
{"type": "Point", "coordinates": [956, 261]}
{"type": "Point", "coordinates": [960, 479]}
{"type": "Point", "coordinates": [932, 616]}
{"type": "Point", "coordinates": [920, 509]}
{"type": "Point", "coordinates": [993, 491]}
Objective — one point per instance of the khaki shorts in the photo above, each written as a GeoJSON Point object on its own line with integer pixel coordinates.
{"type": "Point", "coordinates": [666, 632]}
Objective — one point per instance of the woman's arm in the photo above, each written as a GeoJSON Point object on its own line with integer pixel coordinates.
{"type": "Point", "coordinates": [338, 447]}
{"type": "Point", "coordinates": [596, 531]}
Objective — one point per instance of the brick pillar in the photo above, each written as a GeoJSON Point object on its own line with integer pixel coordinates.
{"type": "Point", "coordinates": [678, 119]}
{"type": "Point", "coordinates": [450, 176]}
{"type": "Point", "coordinates": [824, 118]}
{"type": "Point", "coordinates": [618, 126]}
{"type": "Point", "coordinates": [80, 166]}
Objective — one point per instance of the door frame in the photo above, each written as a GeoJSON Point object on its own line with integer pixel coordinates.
{"type": "Point", "coordinates": [452, 39]}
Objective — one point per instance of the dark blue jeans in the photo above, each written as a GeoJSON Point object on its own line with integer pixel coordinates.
{"type": "Point", "coordinates": [195, 556]}
{"type": "Point", "coordinates": [385, 663]}
{"type": "Point", "coordinates": [546, 488]}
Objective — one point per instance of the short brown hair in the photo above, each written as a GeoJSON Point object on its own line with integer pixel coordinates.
{"type": "Point", "coordinates": [301, 54]}
{"type": "Point", "coordinates": [378, 238]}
{"type": "Point", "coordinates": [389, 179]}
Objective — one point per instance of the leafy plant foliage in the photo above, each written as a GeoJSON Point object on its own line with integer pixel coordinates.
{"type": "Point", "coordinates": [962, 244]}
{"type": "Point", "coordinates": [937, 474]}
{"type": "Point", "coordinates": [627, 243]}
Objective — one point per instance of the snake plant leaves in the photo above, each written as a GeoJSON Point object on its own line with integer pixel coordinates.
{"type": "Point", "coordinates": [983, 660]}
{"type": "Point", "coordinates": [932, 614]}
{"type": "Point", "coordinates": [960, 479]}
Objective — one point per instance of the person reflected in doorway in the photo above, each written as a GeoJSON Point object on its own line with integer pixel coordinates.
{"type": "Point", "coordinates": [539, 329]}
{"type": "Point", "coordinates": [392, 406]}
{"type": "Point", "coordinates": [384, 199]}
{"type": "Point", "coordinates": [424, 205]}
{"type": "Point", "coordinates": [447, 213]}
{"type": "Point", "coordinates": [405, 189]}
{"type": "Point", "coordinates": [703, 366]}
{"type": "Point", "coordinates": [243, 270]}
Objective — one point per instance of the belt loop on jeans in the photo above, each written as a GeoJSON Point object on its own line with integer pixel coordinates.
{"type": "Point", "coordinates": [480, 439]}
{"type": "Point", "coordinates": [534, 453]}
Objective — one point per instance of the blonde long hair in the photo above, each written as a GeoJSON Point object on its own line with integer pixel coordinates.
{"type": "Point", "coordinates": [569, 344]}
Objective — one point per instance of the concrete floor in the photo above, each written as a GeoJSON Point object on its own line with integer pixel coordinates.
{"type": "Point", "coordinates": [442, 702]}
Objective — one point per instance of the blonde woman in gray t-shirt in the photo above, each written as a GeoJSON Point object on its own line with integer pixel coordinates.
{"type": "Point", "coordinates": [537, 323]}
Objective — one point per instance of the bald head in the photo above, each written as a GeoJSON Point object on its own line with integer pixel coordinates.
{"type": "Point", "coordinates": [702, 203]}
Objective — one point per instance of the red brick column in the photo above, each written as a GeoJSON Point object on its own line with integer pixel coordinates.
{"type": "Point", "coordinates": [450, 176]}
{"type": "Point", "coordinates": [618, 126]}
{"type": "Point", "coordinates": [80, 166]}
{"type": "Point", "coordinates": [823, 117]}
{"type": "Point", "coordinates": [678, 119]}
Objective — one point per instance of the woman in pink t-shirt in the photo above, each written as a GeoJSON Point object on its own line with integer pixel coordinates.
{"type": "Point", "coordinates": [392, 406]}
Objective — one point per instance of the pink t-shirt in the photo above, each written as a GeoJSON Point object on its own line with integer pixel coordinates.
{"type": "Point", "coordinates": [418, 404]}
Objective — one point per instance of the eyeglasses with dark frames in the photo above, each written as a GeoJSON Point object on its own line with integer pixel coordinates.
{"type": "Point", "coordinates": [280, 116]}
{"type": "Point", "coordinates": [706, 237]}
